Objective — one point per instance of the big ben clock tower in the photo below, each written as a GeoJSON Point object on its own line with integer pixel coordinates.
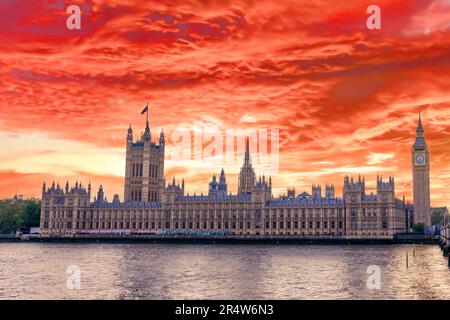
{"type": "Point", "coordinates": [421, 178]}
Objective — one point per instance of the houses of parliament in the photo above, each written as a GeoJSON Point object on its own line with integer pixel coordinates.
{"type": "Point", "coordinates": [153, 207]}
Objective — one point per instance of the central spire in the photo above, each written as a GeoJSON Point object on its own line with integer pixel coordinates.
{"type": "Point", "coordinates": [247, 174]}
{"type": "Point", "coordinates": [247, 152]}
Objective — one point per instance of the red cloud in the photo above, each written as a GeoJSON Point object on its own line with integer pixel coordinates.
{"type": "Point", "coordinates": [337, 91]}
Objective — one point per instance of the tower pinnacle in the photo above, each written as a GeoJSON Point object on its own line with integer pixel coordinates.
{"type": "Point", "coordinates": [419, 129]}
{"type": "Point", "coordinates": [247, 175]}
{"type": "Point", "coordinates": [147, 134]}
{"type": "Point", "coordinates": [247, 152]}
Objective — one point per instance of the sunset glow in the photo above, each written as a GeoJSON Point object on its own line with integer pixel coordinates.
{"type": "Point", "coordinates": [345, 99]}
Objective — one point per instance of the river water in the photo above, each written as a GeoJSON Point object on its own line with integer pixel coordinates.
{"type": "Point", "coordinates": [188, 271]}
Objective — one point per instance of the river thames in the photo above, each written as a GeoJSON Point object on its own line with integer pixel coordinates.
{"type": "Point", "coordinates": [187, 271]}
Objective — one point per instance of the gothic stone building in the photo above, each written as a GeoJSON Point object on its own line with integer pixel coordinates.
{"type": "Point", "coordinates": [153, 207]}
{"type": "Point", "coordinates": [421, 178]}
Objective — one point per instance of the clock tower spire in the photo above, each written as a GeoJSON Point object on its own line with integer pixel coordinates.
{"type": "Point", "coordinates": [421, 177]}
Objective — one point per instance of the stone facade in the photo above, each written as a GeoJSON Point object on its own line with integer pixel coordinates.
{"type": "Point", "coordinates": [247, 174]}
{"type": "Point", "coordinates": [144, 169]}
{"type": "Point", "coordinates": [153, 207]}
{"type": "Point", "coordinates": [421, 178]}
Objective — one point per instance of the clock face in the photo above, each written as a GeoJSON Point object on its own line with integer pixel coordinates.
{"type": "Point", "coordinates": [420, 159]}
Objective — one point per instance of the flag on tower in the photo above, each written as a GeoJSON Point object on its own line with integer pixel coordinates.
{"type": "Point", "coordinates": [145, 109]}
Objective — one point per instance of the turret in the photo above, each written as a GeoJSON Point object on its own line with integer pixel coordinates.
{"type": "Point", "coordinates": [222, 186]}
{"type": "Point", "coordinates": [354, 185]}
{"type": "Point", "coordinates": [329, 191]}
{"type": "Point", "coordinates": [213, 187]}
{"type": "Point", "coordinates": [218, 188]}
{"type": "Point", "coordinates": [262, 191]}
{"type": "Point", "coordinates": [222, 177]}
{"type": "Point", "coordinates": [385, 190]}
{"type": "Point", "coordinates": [172, 191]}
{"type": "Point", "coordinates": [382, 185]}
{"type": "Point", "coordinates": [130, 135]}
{"type": "Point", "coordinates": [316, 191]}
{"type": "Point", "coordinates": [162, 140]}
{"type": "Point", "coordinates": [354, 189]}
{"type": "Point", "coordinates": [291, 192]}
{"type": "Point", "coordinates": [100, 194]}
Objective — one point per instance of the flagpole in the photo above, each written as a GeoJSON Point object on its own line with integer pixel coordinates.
{"type": "Point", "coordinates": [147, 112]}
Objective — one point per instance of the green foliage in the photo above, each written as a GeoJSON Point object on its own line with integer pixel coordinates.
{"type": "Point", "coordinates": [439, 217]}
{"type": "Point", "coordinates": [419, 227]}
{"type": "Point", "coordinates": [19, 214]}
{"type": "Point", "coordinates": [32, 213]}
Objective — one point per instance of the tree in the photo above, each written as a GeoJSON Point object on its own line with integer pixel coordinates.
{"type": "Point", "coordinates": [18, 214]}
{"type": "Point", "coordinates": [439, 216]}
{"type": "Point", "coordinates": [419, 228]}
{"type": "Point", "coordinates": [32, 213]}
{"type": "Point", "coordinates": [10, 218]}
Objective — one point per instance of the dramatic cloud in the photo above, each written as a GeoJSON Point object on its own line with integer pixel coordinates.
{"type": "Point", "coordinates": [344, 98]}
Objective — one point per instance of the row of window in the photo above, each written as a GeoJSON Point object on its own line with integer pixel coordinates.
{"type": "Point", "coordinates": [197, 225]}
{"type": "Point", "coordinates": [136, 195]}
{"type": "Point", "coordinates": [153, 195]}
{"type": "Point", "coordinates": [58, 225]}
{"type": "Point", "coordinates": [96, 215]}
{"type": "Point", "coordinates": [137, 170]}
{"type": "Point", "coordinates": [354, 225]}
{"type": "Point", "coordinates": [70, 201]}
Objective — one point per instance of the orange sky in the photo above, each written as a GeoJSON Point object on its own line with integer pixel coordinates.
{"type": "Point", "coordinates": [344, 98]}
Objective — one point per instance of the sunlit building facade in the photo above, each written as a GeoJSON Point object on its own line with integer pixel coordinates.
{"type": "Point", "coordinates": [154, 207]}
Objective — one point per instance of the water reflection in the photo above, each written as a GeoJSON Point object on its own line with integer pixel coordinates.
{"type": "Point", "coordinates": [167, 271]}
